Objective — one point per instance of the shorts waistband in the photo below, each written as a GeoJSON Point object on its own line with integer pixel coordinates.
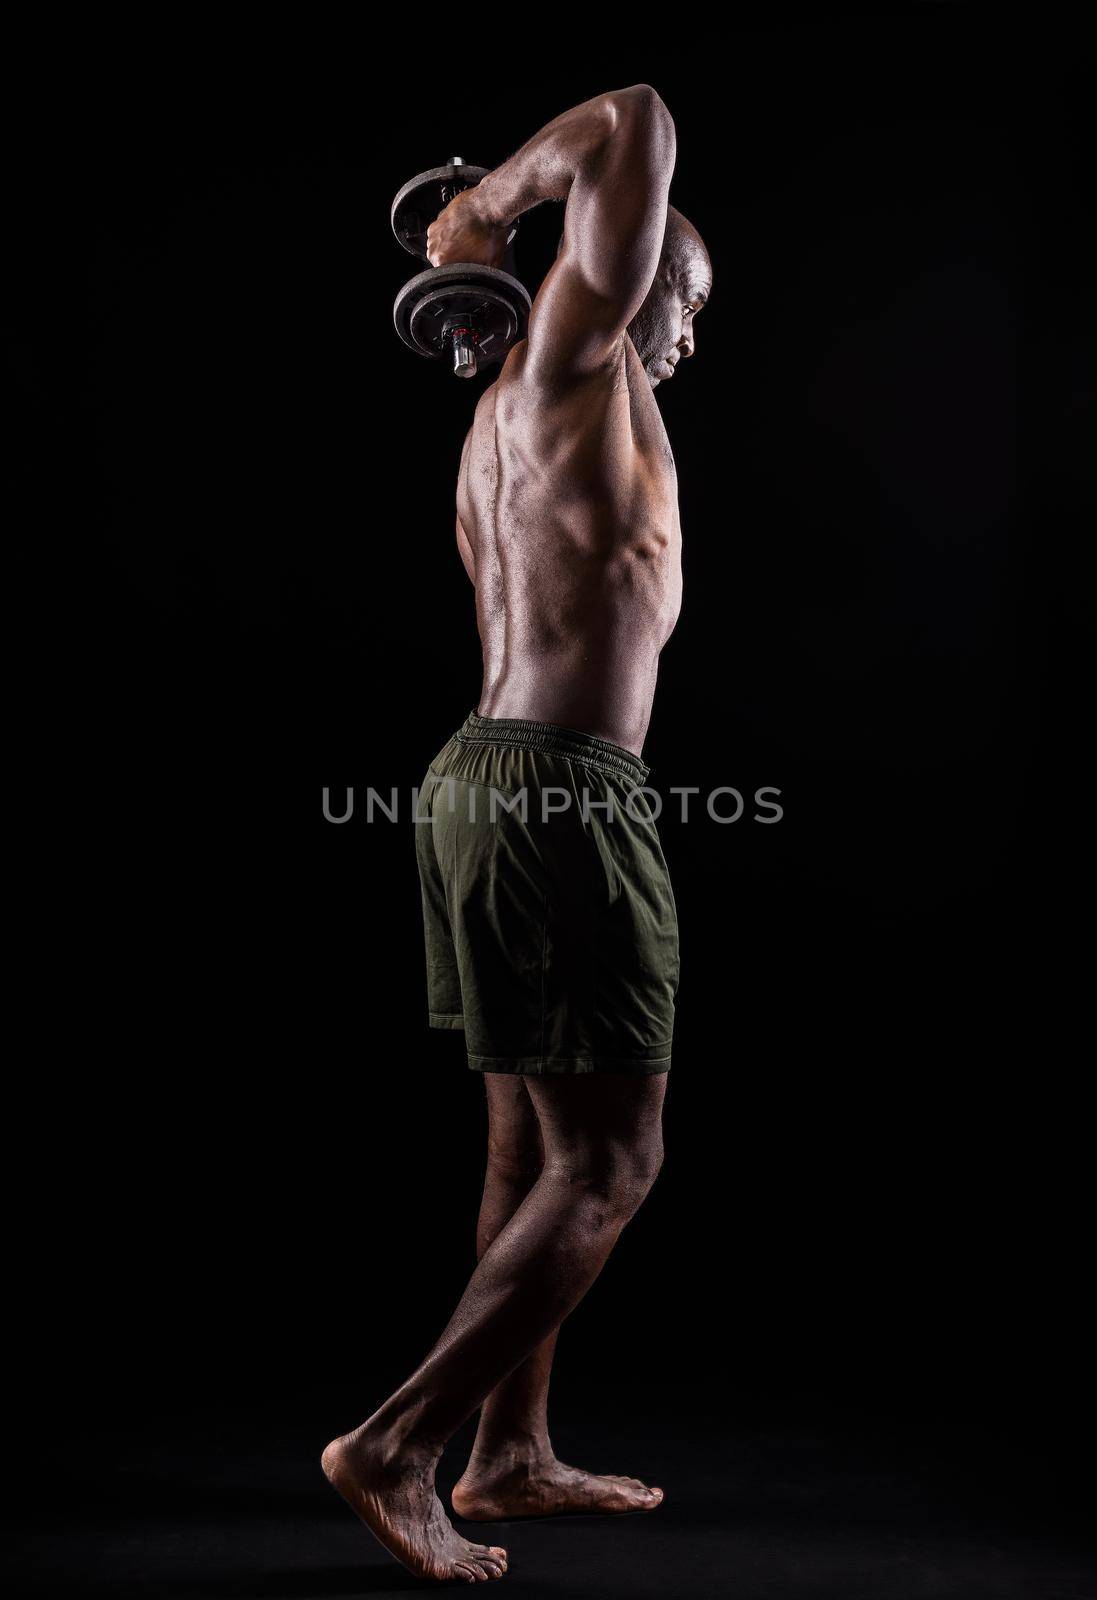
{"type": "Point", "coordinates": [559, 741]}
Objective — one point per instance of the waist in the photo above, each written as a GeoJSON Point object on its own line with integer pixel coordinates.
{"type": "Point", "coordinates": [524, 734]}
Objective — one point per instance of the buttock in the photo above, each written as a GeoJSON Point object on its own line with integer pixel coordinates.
{"type": "Point", "coordinates": [550, 923]}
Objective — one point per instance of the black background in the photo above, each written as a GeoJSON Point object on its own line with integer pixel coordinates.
{"type": "Point", "coordinates": [872, 1210]}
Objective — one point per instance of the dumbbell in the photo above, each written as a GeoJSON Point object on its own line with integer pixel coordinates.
{"type": "Point", "coordinates": [468, 312]}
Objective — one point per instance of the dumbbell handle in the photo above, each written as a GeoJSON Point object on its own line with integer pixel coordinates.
{"type": "Point", "coordinates": [422, 198]}
{"type": "Point", "coordinates": [464, 350]}
{"type": "Point", "coordinates": [464, 359]}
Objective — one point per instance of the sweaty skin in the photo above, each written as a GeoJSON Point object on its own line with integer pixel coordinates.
{"type": "Point", "coordinates": [568, 527]}
{"type": "Point", "coordinates": [567, 498]}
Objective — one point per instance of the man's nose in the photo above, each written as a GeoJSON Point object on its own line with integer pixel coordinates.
{"type": "Point", "coordinates": [685, 345]}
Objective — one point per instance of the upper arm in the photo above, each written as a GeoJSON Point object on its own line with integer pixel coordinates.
{"type": "Point", "coordinates": [614, 224]}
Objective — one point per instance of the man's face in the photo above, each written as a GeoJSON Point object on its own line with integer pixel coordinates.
{"type": "Point", "coordinates": [663, 328]}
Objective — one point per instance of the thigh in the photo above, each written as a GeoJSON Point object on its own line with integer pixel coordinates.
{"type": "Point", "coordinates": [514, 1129]}
{"type": "Point", "coordinates": [591, 1115]}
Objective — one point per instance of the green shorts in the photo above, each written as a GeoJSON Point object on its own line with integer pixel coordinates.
{"type": "Point", "coordinates": [551, 930]}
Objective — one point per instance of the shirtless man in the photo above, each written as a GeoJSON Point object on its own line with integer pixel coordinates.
{"type": "Point", "coordinates": [551, 936]}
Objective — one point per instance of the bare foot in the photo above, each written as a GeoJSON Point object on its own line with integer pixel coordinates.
{"type": "Point", "coordinates": [398, 1504]}
{"type": "Point", "coordinates": [546, 1489]}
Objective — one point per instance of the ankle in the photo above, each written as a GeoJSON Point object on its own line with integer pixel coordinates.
{"type": "Point", "coordinates": [392, 1448]}
{"type": "Point", "coordinates": [494, 1457]}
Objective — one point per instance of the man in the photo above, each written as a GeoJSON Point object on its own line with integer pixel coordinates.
{"type": "Point", "coordinates": [550, 926]}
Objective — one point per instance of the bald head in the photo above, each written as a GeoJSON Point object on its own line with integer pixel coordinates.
{"type": "Point", "coordinates": [684, 247]}
{"type": "Point", "coordinates": [662, 329]}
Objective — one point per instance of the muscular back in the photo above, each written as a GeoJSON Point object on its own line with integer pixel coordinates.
{"type": "Point", "coordinates": [569, 506]}
{"type": "Point", "coordinates": [567, 497]}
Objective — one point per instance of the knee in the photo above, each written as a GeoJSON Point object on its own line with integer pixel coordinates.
{"type": "Point", "coordinates": [515, 1163]}
{"type": "Point", "coordinates": [617, 1180]}
{"type": "Point", "coordinates": [641, 1169]}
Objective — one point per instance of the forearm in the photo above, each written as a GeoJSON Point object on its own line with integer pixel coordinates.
{"type": "Point", "coordinates": [548, 164]}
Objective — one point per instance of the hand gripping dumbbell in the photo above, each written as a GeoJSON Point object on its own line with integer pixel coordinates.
{"type": "Point", "coordinates": [466, 311]}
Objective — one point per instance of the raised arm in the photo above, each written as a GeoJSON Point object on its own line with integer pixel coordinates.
{"type": "Point", "coordinates": [611, 160]}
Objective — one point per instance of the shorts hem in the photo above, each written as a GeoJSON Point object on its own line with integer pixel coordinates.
{"type": "Point", "coordinates": [544, 1066]}
{"type": "Point", "coordinates": [446, 1019]}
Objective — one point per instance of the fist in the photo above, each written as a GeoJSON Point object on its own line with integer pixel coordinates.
{"type": "Point", "coordinates": [459, 234]}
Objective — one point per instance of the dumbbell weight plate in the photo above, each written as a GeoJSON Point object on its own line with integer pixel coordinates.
{"type": "Point", "coordinates": [487, 300]}
{"type": "Point", "coordinates": [421, 199]}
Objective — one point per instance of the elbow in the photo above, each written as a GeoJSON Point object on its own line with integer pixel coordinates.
{"type": "Point", "coordinates": [643, 95]}
{"type": "Point", "coordinates": [641, 113]}
{"type": "Point", "coordinates": [643, 103]}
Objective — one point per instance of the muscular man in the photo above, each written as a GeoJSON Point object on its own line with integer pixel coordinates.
{"type": "Point", "coordinates": [550, 923]}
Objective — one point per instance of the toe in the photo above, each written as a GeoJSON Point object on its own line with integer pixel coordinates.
{"type": "Point", "coordinates": [491, 1558]}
